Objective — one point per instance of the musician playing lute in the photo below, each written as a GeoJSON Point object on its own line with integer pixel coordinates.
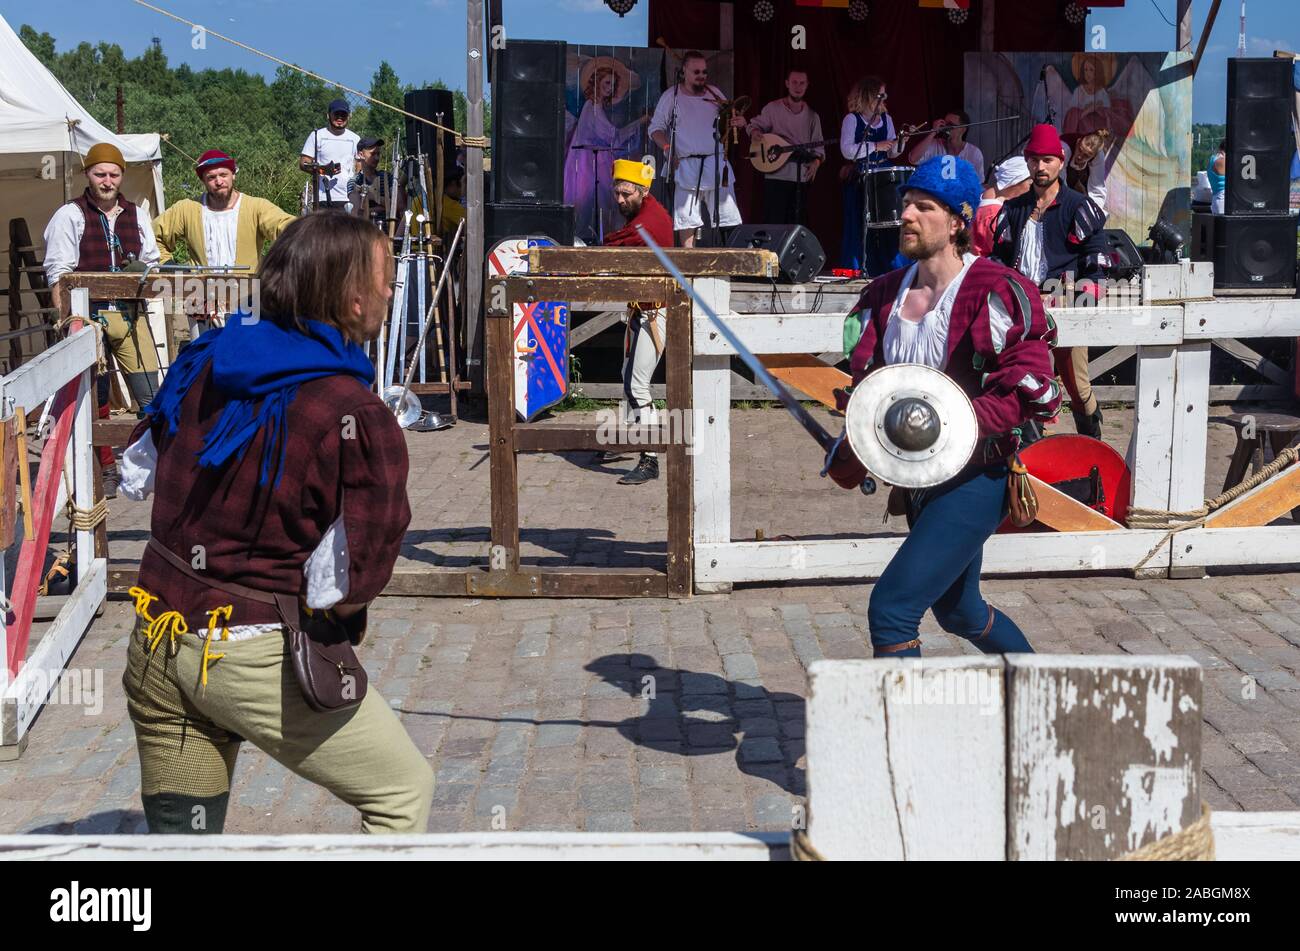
{"type": "Point", "coordinates": [794, 120]}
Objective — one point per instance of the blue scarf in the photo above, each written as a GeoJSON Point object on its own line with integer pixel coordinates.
{"type": "Point", "coordinates": [258, 365]}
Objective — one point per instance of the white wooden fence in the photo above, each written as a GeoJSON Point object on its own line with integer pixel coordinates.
{"type": "Point", "coordinates": [22, 695]}
{"type": "Point", "coordinates": [1171, 331]}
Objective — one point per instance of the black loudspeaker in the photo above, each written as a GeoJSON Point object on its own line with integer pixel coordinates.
{"type": "Point", "coordinates": [421, 138]}
{"type": "Point", "coordinates": [1125, 259]}
{"type": "Point", "coordinates": [1248, 251]}
{"type": "Point", "coordinates": [1260, 142]}
{"type": "Point", "coordinates": [528, 122]}
{"type": "Point", "coordinates": [797, 249]}
{"type": "Point", "coordinates": [524, 219]}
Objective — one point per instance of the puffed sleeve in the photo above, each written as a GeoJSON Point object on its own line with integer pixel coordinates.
{"type": "Point", "coordinates": [373, 465]}
{"type": "Point", "coordinates": [1021, 384]}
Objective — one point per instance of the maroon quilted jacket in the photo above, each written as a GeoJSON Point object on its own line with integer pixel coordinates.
{"type": "Point", "coordinates": [345, 455]}
{"type": "Point", "coordinates": [999, 351]}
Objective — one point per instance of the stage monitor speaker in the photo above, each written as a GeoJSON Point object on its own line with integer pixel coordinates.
{"type": "Point", "coordinates": [421, 138]}
{"type": "Point", "coordinates": [1125, 258]}
{"type": "Point", "coordinates": [523, 219]}
{"type": "Point", "coordinates": [1260, 142]}
{"type": "Point", "coordinates": [528, 122]}
{"type": "Point", "coordinates": [797, 249]}
{"type": "Point", "coordinates": [1248, 251]}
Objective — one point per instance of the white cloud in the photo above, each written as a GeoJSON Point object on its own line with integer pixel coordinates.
{"type": "Point", "coordinates": [1262, 46]}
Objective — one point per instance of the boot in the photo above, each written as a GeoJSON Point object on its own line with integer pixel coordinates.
{"type": "Point", "coordinates": [143, 386]}
{"type": "Point", "coordinates": [646, 469]}
{"type": "Point", "coordinates": [111, 481]}
{"type": "Point", "coordinates": [1088, 425]}
{"type": "Point", "coordinates": [605, 456]}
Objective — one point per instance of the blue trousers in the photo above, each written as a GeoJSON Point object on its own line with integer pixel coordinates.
{"type": "Point", "coordinates": [938, 568]}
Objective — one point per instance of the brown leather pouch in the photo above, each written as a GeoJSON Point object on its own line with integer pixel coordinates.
{"type": "Point", "coordinates": [1023, 509]}
{"type": "Point", "coordinates": [329, 674]}
{"type": "Point", "coordinates": [897, 504]}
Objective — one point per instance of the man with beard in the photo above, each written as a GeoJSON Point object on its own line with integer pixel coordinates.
{"type": "Point", "coordinates": [1052, 234]}
{"type": "Point", "coordinates": [225, 228]}
{"type": "Point", "coordinates": [983, 325]}
{"type": "Point", "coordinates": [101, 231]}
{"type": "Point", "coordinates": [794, 120]}
{"type": "Point", "coordinates": [330, 155]}
{"type": "Point", "coordinates": [683, 126]}
{"type": "Point", "coordinates": [942, 139]}
{"type": "Point", "coordinates": [643, 344]}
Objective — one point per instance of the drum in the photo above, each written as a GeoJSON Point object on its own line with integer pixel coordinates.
{"type": "Point", "coordinates": [884, 206]}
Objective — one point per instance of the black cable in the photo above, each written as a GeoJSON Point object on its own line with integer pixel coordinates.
{"type": "Point", "coordinates": [1162, 13]}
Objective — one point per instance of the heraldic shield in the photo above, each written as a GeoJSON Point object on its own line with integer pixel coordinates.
{"type": "Point", "coordinates": [541, 335]}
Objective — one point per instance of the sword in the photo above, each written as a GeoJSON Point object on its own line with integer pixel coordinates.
{"type": "Point", "coordinates": [797, 410]}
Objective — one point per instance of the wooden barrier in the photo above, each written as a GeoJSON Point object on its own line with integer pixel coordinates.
{"type": "Point", "coordinates": [26, 680]}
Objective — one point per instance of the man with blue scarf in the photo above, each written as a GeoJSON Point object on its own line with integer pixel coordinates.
{"type": "Point", "coordinates": [275, 471]}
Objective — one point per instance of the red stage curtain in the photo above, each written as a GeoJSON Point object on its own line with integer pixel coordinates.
{"type": "Point", "coordinates": [917, 52]}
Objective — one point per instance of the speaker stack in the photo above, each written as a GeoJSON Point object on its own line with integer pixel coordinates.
{"type": "Point", "coordinates": [528, 143]}
{"type": "Point", "coordinates": [422, 138]}
{"type": "Point", "coordinates": [1253, 244]}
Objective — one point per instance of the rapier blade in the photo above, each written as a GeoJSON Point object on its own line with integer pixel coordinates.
{"type": "Point", "coordinates": [797, 410]}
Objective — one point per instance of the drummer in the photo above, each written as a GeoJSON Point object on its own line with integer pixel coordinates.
{"type": "Point", "coordinates": [867, 138]}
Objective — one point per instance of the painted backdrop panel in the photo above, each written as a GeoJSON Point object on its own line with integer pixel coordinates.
{"type": "Point", "coordinates": [1144, 100]}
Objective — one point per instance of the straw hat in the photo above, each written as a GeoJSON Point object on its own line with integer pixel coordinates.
{"type": "Point", "coordinates": [624, 79]}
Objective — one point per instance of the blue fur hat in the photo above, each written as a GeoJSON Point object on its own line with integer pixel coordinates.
{"type": "Point", "coordinates": [952, 180]}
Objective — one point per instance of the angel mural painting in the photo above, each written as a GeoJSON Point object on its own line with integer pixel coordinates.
{"type": "Point", "coordinates": [597, 142]}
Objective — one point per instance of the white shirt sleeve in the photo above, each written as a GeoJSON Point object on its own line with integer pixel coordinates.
{"type": "Point", "coordinates": [848, 148]}
{"type": "Point", "coordinates": [663, 114]}
{"type": "Point", "coordinates": [137, 468]}
{"type": "Point", "coordinates": [307, 147]}
{"type": "Point", "coordinates": [148, 243]}
{"type": "Point", "coordinates": [63, 242]}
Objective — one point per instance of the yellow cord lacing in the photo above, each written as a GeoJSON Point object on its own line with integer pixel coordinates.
{"type": "Point", "coordinates": [172, 623]}
{"type": "Point", "coordinates": [225, 609]}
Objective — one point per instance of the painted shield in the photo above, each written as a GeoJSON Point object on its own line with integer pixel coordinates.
{"type": "Point", "coordinates": [541, 335]}
{"type": "Point", "coordinates": [1085, 469]}
{"type": "Point", "coordinates": [911, 425]}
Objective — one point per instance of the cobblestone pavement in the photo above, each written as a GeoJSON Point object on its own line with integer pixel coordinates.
{"type": "Point", "coordinates": [537, 707]}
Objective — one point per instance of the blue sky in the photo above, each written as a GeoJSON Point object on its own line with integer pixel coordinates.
{"type": "Point", "coordinates": [425, 39]}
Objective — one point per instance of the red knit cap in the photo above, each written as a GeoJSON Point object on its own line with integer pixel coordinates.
{"type": "Point", "coordinates": [1045, 140]}
{"type": "Point", "coordinates": [214, 158]}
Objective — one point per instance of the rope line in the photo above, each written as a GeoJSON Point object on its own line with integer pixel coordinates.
{"type": "Point", "coordinates": [1195, 518]}
{"type": "Point", "coordinates": [471, 141]}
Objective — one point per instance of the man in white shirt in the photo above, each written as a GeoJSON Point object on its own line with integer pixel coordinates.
{"type": "Point", "coordinates": [683, 126]}
{"type": "Point", "coordinates": [102, 231]}
{"type": "Point", "coordinates": [330, 154]}
{"type": "Point", "coordinates": [942, 139]}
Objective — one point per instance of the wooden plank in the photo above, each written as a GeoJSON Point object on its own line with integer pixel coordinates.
{"type": "Point", "coordinates": [535, 582]}
{"type": "Point", "coordinates": [1150, 450]}
{"type": "Point", "coordinates": [1109, 360]}
{"type": "Point", "coordinates": [756, 299]}
{"type": "Point", "coordinates": [1103, 753]}
{"type": "Point", "coordinates": [1256, 393]}
{"type": "Point", "coordinates": [739, 391]}
{"type": "Point", "coordinates": [886, 739]}
{"type": "Point", "coordinates": [453, 846]}
{"type": "Point", "coordinates": [776, 333]}
{"type": "Point", "coordinates": [49, 371]}
{"type": "Point", "coordinates": [1225, 318]}
{"type": "Point", "coordinates": [1191, 426]}
{"type": "Point", "coordinates": [114, 431]}
{"type": "Point", "coordinates": [81, 451]}
{"type": "Point", "coordinates": [1021, 554]}
{"type": "Point", "coordinates": [807, 374]}
{"type": "Point", "coordinates": [560, 437]}
{"type": "Point", "coordinates": [29, 690]}
{"type": "Point", "coordinates": [1137, 325]}
{"type": "Point", "coordinates": [525, 288]}
{"type": "Point", "coordinates": [1058, 511]}
{"type": "Point", "coordinates": [711, 386]}
{"type": "Point", "coordinates": [637, 262]}
{"type": "Point", "coordinates": [1256, 836]}
{"type": "Point", "coordinates": [1262, 504]}
{"type": "Point", "coordinates": [1257, 362]}
{"type": "Point", "coordinates": [680, 453]}
{"type": "Point", "coordinates": [438, 389]}
{"type": "Point", "coordinates": [1257, 545]}
{"type": "Point", "coordinates": [589, 328]}
{"type": "Point", "coordinates": [504, 554]}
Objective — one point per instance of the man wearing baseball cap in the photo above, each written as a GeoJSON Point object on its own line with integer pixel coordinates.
{"type": "Point", "coordinates": [643, 342]}
{"type": "Point", "coordinates": [329, 155]}
{"type": "Point", "coordinates": [983, 325]}
{"type": "Point", "coordinates": [100, 230]}
{"type": "Point", "coordinates": [1053, 234]}
{"type": "Point", "coordinates": [371, 188]}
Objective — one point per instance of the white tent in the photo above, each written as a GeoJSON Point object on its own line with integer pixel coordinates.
{"type": "Point", "coordinates": [44, 132]}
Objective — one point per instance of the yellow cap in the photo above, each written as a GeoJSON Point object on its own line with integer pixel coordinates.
{"type": "Point", "coordinates": [638, 173]}
{"type": "Point", "coordinates": [103, 152]}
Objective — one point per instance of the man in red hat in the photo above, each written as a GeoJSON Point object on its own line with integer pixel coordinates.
{"type": "Point", "coordinates": [1053, 234]}
{"type": "Point", "coordinates": [225, 228]}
